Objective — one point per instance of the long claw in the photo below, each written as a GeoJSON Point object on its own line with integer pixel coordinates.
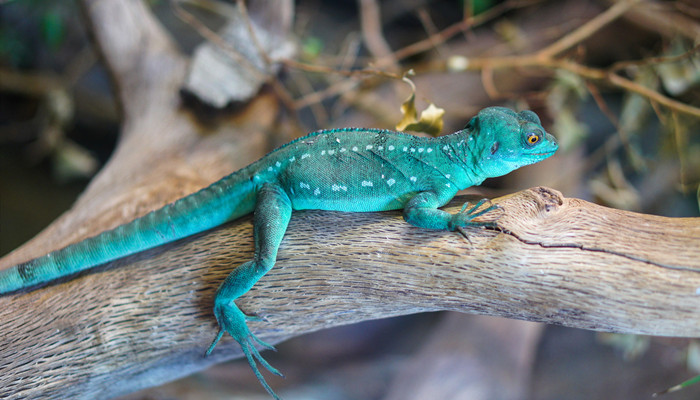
{"type": "Point", "coordinates": [213, 344]}
{"type": "Point", "coordinates": [468, 212]}
{"type": "Point", "coordinates": [482, 212]}
{"type": "Point", "coordinates": [263, 343]}
{"type": "Point", "coordinates": [246, 346]}
{"type": "Point", "coordinates": [262, 361]}
{"type": "Point", "coordinates": [475, 207]}
{"type": "Point", "coordinates": [232, 320]}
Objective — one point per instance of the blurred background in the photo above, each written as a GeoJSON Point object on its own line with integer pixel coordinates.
{"type": "Point", "coordinates": [617, 82]}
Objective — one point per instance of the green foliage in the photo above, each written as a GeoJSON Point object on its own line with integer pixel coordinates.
{"type": "Point", "coordinates": [680, 386]}
{"type": "Point", "coordinates": [13, 50]}
{"type": "Point", "coordinates": [311, 47]}
{"type": "Point", "coordinates": [48, 18]}
{"type": "Point", "coordinates": [479, 6]}
{"type": "Point", "coordinates": [53, 28]}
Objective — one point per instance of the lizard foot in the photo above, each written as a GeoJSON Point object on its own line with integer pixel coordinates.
{"type": "Point", "coordinates": [468, 212]}
{"type": "Point", "coordinates": [232, 320]}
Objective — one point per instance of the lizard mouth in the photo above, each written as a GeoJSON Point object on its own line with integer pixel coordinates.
{"type": "Point", "coordinates": [546, 153]}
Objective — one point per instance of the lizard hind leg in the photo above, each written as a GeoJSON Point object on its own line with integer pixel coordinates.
{"type": "Point", "coordinates": [241, 332]}
{"type": "Point", "coordinates": [232, 320]}
{"type": "Point", "coordinates": [273, 211]}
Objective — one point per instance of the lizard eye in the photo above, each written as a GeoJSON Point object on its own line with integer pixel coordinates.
{"type": "Point", "coordinates": [532, 138]}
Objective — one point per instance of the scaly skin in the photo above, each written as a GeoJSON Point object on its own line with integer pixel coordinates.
{"type": "Point", "coordinates": [354, 170]}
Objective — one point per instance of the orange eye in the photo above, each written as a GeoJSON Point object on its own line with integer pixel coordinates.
{"type": "Point", "coordinates": [532, 138]}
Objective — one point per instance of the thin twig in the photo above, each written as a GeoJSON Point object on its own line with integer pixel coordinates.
{"type": "Point", "coordinates": [370, 21]}
{"type": "Point", "coordinates": [586, 30]}
{"type": "Point", "coordinates": [681, 144]}
{"type": "Point", "coordinates": [338, 87]}
{"type": "Point", "coordinates": [489, 84]}
{"type": "Point", "coordinates": [465, 24]}
{"type": "Point", "coordinates": [544, 58]}
{"type": "Point", "coordinates": [429, 26]}
{"type": "Point", "coordinates": [335, 89]}
{"type": "Point", "coordinates": [214, 38]}
{"type": "Point", "coordinates": [652, 95]}
{"type": "Point", "coordinates": [251, 31]}
{"type": "Point", "coordinates": [621, 65]}
{"type": "Point", "coordinates": [329, 70]}
{"type": "Point", "coordinates": [205, 32]}
{"type": "Point", "coordinates": [317, 108]}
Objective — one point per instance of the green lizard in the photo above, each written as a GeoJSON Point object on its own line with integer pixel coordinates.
{"type": "Point", "coordinates": [352, 169]}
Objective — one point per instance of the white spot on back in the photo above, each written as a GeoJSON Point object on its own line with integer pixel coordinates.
{"type": "Point", "coordinates": [367, 183]}
{"type": "Point", "coordinates": [323, 153]}
{"type": "Point", "coordinates": [430, 150]}
{"type": "Point", "coordinates": [269, 169]}
{"type": "Point", "coordinates": [445, 147]}
{"type": "Point", "coordinates": [303, 156]}
{"type": "Point", "coordinates": [331, 152]}
{"type": "Point", "coordinates": [413, 179]}
{"type": "Point", "coordinates": [337, 188]}
{"type": "Point", "coordinates": [390, 182]}
{"type": "Point", "coordinates": [304, 185]}
{"type": "Point", "coordinates": [447, 176]}
{"type": "Point", "coordinates": [292, 159]}
{"type": "Point", "coordinates": [391, 148]}
{"type": "Point", "coordinates": [413, 150]}
{"type": "Point", "coordinates": [405, 148]}
{"type": "Point", "coordinates": [354, 148]}
{"type": "Point", "coordinates": [368, 147]}
{"type": "Point", "coordinates": [420, 149]}
{"type": "Point", "coordinates": [278, 164]}
{"type": "Point", "coordinates": [317, 191]}
{"type": "Point", "coordinates": [380, 147]}
{"type": "Point", "coordinates": [342, 150]}
{"type": "Point", "coordinates": [448, 185]}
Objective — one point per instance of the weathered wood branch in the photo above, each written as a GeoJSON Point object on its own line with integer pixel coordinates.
{"type": "Point", "coordinates": [147, 319]}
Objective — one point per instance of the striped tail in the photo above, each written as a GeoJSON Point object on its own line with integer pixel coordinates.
{"type": "Point", "coordinates": [229, 198]}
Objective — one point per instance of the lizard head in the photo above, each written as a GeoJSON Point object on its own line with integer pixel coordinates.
{"type": "Point", "coordinates": [505, 140]}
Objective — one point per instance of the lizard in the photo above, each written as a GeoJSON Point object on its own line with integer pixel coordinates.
{"type": "Point", "coordinates": [347, 169]}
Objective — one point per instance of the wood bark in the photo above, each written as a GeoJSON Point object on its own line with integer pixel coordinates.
{"type": "Point", "coordinates": [146, 319]}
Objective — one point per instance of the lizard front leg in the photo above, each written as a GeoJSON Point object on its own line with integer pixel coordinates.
{"type": "Point", "coordinates": [272, 213]}
{"type": "Point", "coordinates": [422, 211]}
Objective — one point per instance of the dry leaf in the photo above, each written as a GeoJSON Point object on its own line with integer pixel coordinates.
{"type": "Point", "coordinates": [430, 120]}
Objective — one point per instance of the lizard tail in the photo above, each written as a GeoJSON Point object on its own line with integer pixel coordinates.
{"type": "Point", "coordinates": [222, 201]}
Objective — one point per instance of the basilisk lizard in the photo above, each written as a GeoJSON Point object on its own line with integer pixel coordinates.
{"type": "Point", "coordinates": [352, 169]}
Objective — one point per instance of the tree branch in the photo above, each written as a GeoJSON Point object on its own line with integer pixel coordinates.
{"type": "Point", "coordinates": [147, 318]}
